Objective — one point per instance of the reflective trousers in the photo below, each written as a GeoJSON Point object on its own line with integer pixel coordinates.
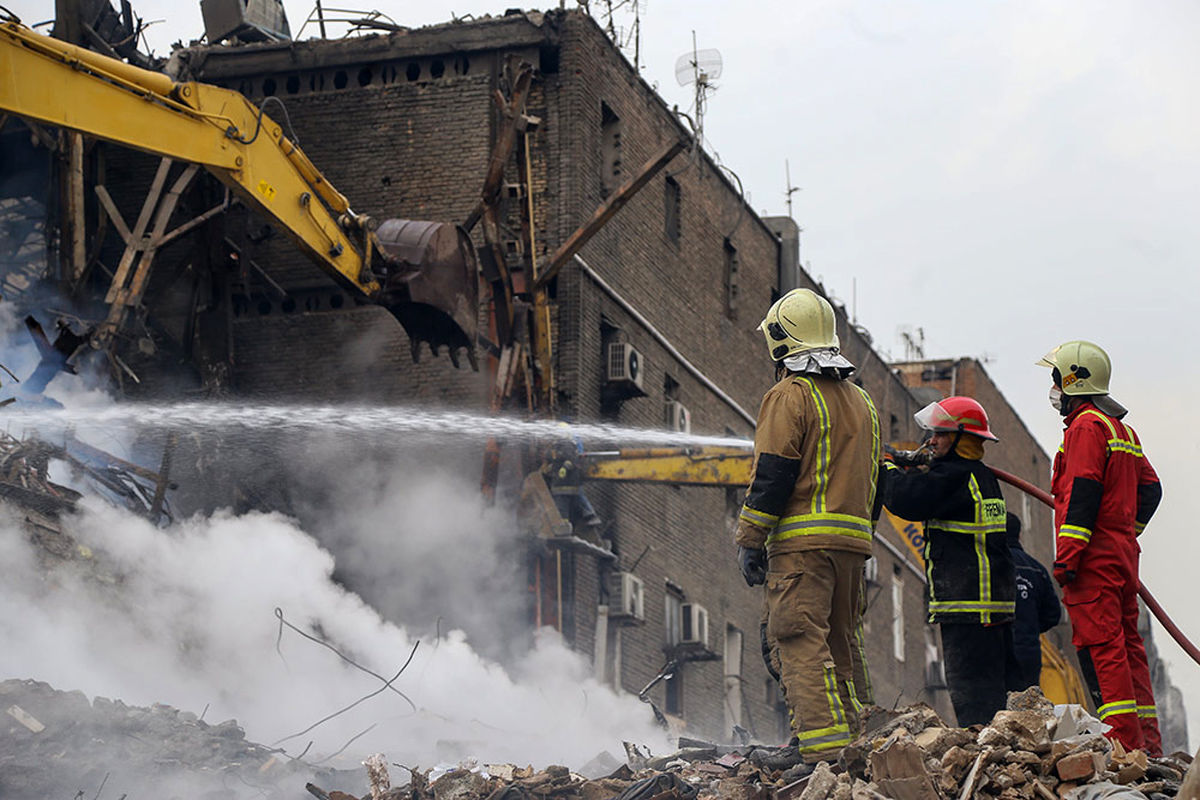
{"type": "Point", "coordinates": [1104, 621]}
{"type": "Point", "coordinates": [814, 600]}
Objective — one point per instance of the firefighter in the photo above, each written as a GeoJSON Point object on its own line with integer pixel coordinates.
{"type": "Point", "coordinates": [805, 528]}
{"type": "Point", "coordinates": [971, 591]}
{"type": "Point", "coordinates": [1038, 611]}
{"type": "Point", "coordinates": [1105, 491]}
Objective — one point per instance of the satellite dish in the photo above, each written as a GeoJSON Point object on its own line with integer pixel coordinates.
{"type": "Point", "coordinates": [698, 66]}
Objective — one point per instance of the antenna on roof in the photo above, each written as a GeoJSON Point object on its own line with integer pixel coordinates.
{"type": "Point", "coordinates": [789, 190]}
{"type": "Point", "coordinates": [699, 68]}
{"type": "Point", "coordinates": [914, 345]}
{"type": "Point", "coordinates": [623, 37]}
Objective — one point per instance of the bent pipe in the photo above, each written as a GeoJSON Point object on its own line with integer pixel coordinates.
{"type": "Point", "coordinates": [1152, 604]}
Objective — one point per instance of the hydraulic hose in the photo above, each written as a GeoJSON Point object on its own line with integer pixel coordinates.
{"type": "Point", "coordinates": [1152, 604]}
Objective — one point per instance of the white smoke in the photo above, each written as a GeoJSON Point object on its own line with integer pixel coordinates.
{"type": "Point", "coordinates": [186, 617]}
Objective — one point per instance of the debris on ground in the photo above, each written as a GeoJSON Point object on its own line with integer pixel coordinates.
{"type": "Point", "coordinates": [57, 741]}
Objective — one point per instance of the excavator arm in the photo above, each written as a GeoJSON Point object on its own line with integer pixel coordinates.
{"type": "Point", "coordinates": [709, 465]}
{"type": "Point", "coordinates": [424, 273]}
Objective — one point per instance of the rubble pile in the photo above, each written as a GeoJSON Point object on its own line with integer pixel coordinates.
{"type": "Point", "coordinates": [55, 743]}
{"type": "Point", "coordinates": [1031, 751]}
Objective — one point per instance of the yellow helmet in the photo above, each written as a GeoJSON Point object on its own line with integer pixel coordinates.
{"type": "Point", "coordinates": [1084, 367]}
{"type": "Point", "coordinates": [800, 320]}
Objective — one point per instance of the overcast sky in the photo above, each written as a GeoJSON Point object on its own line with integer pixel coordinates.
{"type": "Point", "coordinates": [1004, 176]}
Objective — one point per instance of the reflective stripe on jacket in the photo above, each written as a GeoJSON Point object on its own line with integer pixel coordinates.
{"type": "Point", "coordinates": [971, 577]}
{"type": "Point", "coordinates": [1105, 491]}
{"type": "Point", "coordinates": [816, 459]}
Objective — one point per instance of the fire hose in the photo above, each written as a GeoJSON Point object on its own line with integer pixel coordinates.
{"type": "Point", "coordinates": [1143, 592]}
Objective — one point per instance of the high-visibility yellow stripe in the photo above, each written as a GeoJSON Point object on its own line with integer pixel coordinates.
{"type": "Point", "coordinates": [836, 710]}
{"type": "Point", "coordinates": [760, 518]}
{"type": "Point", "coordinates": [858, 639]}
{"type": "Point", "coordinates": [1112, 431]}
{"type": "Point", "coordinates": [1138, 527]}
{"type": "Point", "coordinates": [1075, 532]}
{"type": "Point", "coordinates": [821, 475]}
{"type": "Point", "coordinates": [835, 735]}
{"type": "Point", "coordinates": [857, 706]}
{"type": "Point", "coordinates": [839, 738]}
{"type": "Point", "coordinates": [955, 526]}
{"type": "Point", "coordinates": [975, 606]}
{"type": "Point", "coordinates": [876, 445]}
{"type": "Point", "coordinates": [821, 524]}
{"type": "Point", "coordinates": [929, 567]}
{"type": "Point", "coordinates": [981, 556]}
{"type": "Point", "coordinates": [1117, 443]}
{"type": "Point", "coordinates": [1147, 712]}
{"type": "Point", "coordinates": [1117, 707]}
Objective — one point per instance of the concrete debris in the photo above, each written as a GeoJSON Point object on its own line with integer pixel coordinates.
{"type": "Point", "coordinates": [59, 744]}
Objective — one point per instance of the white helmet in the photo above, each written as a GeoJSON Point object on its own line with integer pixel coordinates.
{"type": "Point", "coordinates": [801, 320]}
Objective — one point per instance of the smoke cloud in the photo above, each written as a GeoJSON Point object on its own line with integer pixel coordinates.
{"type": "Point", "coordinates": [186, 616]}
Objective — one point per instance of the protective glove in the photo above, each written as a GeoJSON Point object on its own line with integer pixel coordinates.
{"type": "Point", "coordinates": [753, 564]}
{"type": "Point", "coordinates": [908, 458]}
{"type": "Point", "coordinates": [1062, 574]}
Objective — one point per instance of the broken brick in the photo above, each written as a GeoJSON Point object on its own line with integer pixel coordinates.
{"type": "Point", "coordinates": [1076, 767]}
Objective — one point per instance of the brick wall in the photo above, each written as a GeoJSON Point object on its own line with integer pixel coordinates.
{"type": "Point", "coordinates": [402, 137]}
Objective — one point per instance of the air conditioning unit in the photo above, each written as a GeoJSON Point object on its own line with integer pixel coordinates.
{"type": "Point", "coordinates": [679, 419]}
{"type": "Point", "coordinates": [695, 625]}
{"type": "Point", "coordinates": [624, 366]}
{"type": "Point", "coordinates": [626, 597]}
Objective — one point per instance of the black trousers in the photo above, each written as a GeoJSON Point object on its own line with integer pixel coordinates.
{"type": "Point", "coordinates": [977, 660]}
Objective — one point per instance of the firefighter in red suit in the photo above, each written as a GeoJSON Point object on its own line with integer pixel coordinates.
{"type": "Point", "coordinates": [1105, 492]}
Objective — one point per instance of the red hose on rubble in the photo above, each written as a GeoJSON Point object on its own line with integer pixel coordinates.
{"type": "Point", "coordinates": [1152, 604]}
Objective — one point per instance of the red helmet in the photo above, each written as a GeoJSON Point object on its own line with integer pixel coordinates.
{"type": "Point", "coordinates": [955, 414]}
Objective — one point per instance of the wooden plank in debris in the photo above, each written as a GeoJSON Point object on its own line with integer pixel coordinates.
{"type": "Point", "coordinates": [73, 211]}
{"type": "Point", "coordinates": [86, 452]}
{"type": "Point", "coordinates": [114, 213]}
{"type": "Point", "coordinates": [134, 245]}
{"type": "Point", "coordinates": [607, 209]}
{"type": "Point", "coordinates": [968, 787]}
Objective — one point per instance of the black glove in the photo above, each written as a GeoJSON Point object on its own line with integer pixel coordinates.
{"type": "Point", "coordinates": [1062, 574]}
{"type": "Point", "coordinates": [908, 458]}
{"type": "Point", "coordinates": [753, 564]}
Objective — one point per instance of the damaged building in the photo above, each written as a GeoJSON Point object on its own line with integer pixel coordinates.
{"type": "Point", "coordinates": [621, 278]}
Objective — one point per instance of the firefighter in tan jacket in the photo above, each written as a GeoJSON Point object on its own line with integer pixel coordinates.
{"type": "Point", "coordinates": [806, 525]}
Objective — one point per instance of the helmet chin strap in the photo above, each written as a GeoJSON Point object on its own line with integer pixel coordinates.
{"type": "Point", "coordinates": [1068, 404]}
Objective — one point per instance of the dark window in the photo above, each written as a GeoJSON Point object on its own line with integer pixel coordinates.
{"type": "Point", "coordinates": [731, 280]}
{"type": "Point", "coordinates": [673, 200]}
{"type": "Point", "coordinates": [673, 620]}
{"type": "Point", "coordinates": [670, 388]}
{"type": "Point", "coordinates": [610, 150]}
{"type": "Point", "coordinates": [673, 702]}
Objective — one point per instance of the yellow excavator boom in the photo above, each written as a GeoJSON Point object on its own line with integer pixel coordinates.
{"type": "Point", "coordinates": [680, 466]}
{"type": "Point", "coordinates": [50, 81]}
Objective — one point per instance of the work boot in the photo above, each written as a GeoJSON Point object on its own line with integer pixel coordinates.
{"type": "Point", "coordinates": [797, 772]}
{"type": "Point", "coordinates": [777, 759]}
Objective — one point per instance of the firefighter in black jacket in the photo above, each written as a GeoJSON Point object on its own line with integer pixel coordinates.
{"type": "Point", "coordinates": [1038, 611]}
{"type": "Point", "coordinates": [971, 588]}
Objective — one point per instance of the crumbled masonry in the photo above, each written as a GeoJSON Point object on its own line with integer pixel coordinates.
{"type": "Point", "coordinates": [56, 743]}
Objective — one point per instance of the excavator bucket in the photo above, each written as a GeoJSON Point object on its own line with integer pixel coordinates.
{"type": "Point", "coordinates": [431, 284]}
